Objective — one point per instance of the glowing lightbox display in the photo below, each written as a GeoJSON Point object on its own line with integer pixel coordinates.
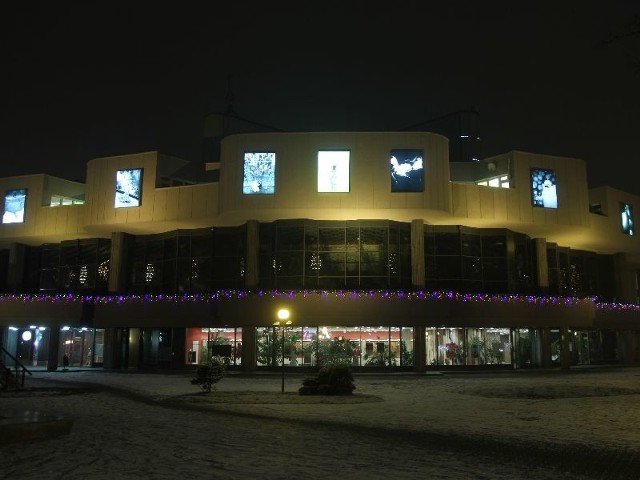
{"type": "Point", "coordinates": [407, 170]}
{"type": "Point", "coordinates": [626, 219]}
{"type": "Point", "coordinates": [543, 188]}
{"type": "Point", "coordinates": [14, 204]}
{"type": "Point", "coordinates": [333, 170]}
{"type": "Point", "coordinates": [259, 173]}
{"type": "Point", "coordinates": [128, 188]}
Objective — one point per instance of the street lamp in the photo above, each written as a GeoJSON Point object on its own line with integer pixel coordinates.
{"type": "Point", "coordinates": [283, 320]}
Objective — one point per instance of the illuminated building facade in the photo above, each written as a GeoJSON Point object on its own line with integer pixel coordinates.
{"type": "Point", "coordinates": [387, 255]}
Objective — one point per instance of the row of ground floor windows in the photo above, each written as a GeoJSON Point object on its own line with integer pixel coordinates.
{"type": "Point", "coordinates": [394, 346]}
{"type": "Point", "coordinates": [308, 346]}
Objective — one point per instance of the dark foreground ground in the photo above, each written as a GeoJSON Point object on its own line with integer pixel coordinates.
{"type": "Point", "coordinates": [548, 425]}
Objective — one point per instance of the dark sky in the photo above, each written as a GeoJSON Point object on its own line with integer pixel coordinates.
{"type": "Point", "coordinates": [88, 79]}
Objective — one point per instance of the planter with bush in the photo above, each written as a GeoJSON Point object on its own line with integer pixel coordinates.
{"type": "Point", "coordinates": [330, 380]}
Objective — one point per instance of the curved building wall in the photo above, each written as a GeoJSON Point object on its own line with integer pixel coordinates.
{"type": "Point", "coordinates": [157, 209]}
{"type": "Point", "coordinates": [296, 177]}
{"type": "Point", "coordinates": [41, 222]}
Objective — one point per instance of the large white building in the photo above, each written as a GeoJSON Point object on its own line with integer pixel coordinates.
{"type": "Point", "coordinates": [386, 255]}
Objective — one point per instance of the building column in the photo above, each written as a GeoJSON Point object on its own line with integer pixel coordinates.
{"type": "Point", "coordinates": [627, 347]}
{"type": "Point", "coordinates": [625, 286]}
{"type": "Point", "coordinates": [119, 261]}
{"type": "Point", "coordinates": [249, 356]}
{"type": "Point", "coordinates": [417, 254]}
{"type": "Point", "coordinates": [542, 265]}
{"type": "Point", "coordinates": [114, 351]}
{"type": "Point", "coordinates": [565, 353]}
{"type": "Point", "coordinates": [419, 349]}
{"type": "Point", "coordinates": [15, 273]}
{"type": "Point", "coordinates": [252, 273]}
{"type": "Point", "coordinates": [545, 348]}
{"type": "Point", "coordinates": [54, 348]}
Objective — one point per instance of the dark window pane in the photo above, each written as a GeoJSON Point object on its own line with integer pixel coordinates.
{"type": "Point", "coordinates": [353, 238]}
{"type": "Point", "coordinates": [496, 287]}
{"type": "Point", "coordinates": [154, 251]}
{"type": "Point", "coordinates": [332, 264]}
{"type": "Point", "coordinates": [184, 246]}
{"type": "Point", "coordinates": [331, 283]}
{"type": "Point", "coordinates": [470, 245]}
{"type": "Point", "coordinates": [311, 238]}
{"type": "Point", "coordinates": [448, 267]}
{"type": "Point", "coordinates": [170, 247]}
{"type": "Point", "coordinates": [373, 239]}
{"type": "Point", "coordinates": [447, 243]}
{"type": "Point", "coordinates": [373, 283]}
{"type": "Point", "coordinates": [373, 263]}
{"type": "Point", "coordinates": [292, 282]}
{"type": "Point", "coordinates": [290, 238]}
{"type": "Point", "coordinates": [50, 256]}
{"type": "Point", "coordinates": [494, 246]}
{"type": "Point", "coordinates": [471, 268]}
{"type": "Point", "coordinates": [430, 266]}
{"type": "Point", "coordinates": [290, 264]}
{"type": "Point", "coordinates": [494, 269]}
{"type": "Point", "coordinates": [429, 244]}
{"type": "Point", "coordinates": [169, 273]}
{"type": "Point", "coordinates": [87, 254]}
{"type": "Point", "coordinates": [332, 239]}
{"type": "Point", "coordinates": [228, 242]}
{"type": "Point", "coordinates": [49, 279]}
{"type": "Point", "coordinates": [202, 246]}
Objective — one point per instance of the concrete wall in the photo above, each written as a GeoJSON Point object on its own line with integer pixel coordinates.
{"type": "Point", "coordinates": [296, 194]}
{"type": "Point", "coordinates": [41, 222]}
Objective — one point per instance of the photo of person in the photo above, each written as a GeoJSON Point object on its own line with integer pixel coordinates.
{"type": "Point", "coordinates": [543, 188]}
{"type": "Point", "coordinates": [14, 203]}
{"type": "Point", "coordinates": [333, 171]}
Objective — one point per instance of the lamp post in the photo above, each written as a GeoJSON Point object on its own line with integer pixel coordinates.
{"type": "Point", "coordinates": [283, 320]}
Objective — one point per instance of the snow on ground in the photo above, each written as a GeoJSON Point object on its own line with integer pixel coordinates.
{"type": "Point", "coordinates": [577, 424]}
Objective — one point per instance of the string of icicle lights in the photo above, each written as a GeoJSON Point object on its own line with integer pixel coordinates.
{"type": "Point", "coordinates": [448, 296]}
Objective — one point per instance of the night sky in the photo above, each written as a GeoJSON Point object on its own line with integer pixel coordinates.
{"type": "Point", "coordinates": [82, 81]}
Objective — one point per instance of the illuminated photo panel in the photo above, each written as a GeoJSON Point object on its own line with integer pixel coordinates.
{"type": "Point", "coordinates": [626, 219]}
{"type": "Point", "coordinates": [543, 188]}
{"type": "Point", "coordinates": [259, 173]}
{"type": "Point", "coordinates": [407, 170]}
{"type": "Point", "coordinates": [128, 188]}
{"type": "Point", "coordinates": [333, 170]}
{"type": "Point", "coordinates": [14, 203]}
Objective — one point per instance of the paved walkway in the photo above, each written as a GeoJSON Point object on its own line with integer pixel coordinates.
{"type": "Point", "coordinates": [576, 424]}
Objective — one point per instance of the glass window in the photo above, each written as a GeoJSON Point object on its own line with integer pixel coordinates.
{"type": "Point", "coordinates": [332, 239]}
{"type": "Point", "coordinates": [447, 267]}
{"type": "Point", "coordinates": [447, 244]}
{"type": "Point", "coordinates": [202, 341]}
{"type": "Point", "coordinates": [470, 244]}
{"type": "Point", "coordinates": [471, 268]}
{"type": "Point", "coordinates": [290, 238]}
{"type": "Point", "coordinates": [332, 264]}
{"type": "Point", "coordinates": [494, 269]}
{"type": "Point", "coordinates": [494, 246]}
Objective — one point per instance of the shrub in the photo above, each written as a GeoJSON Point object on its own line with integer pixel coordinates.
{"type": "Point", "coordinates": [209, 373]}
{"type": "Point", "coordinates": [330, 380]}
